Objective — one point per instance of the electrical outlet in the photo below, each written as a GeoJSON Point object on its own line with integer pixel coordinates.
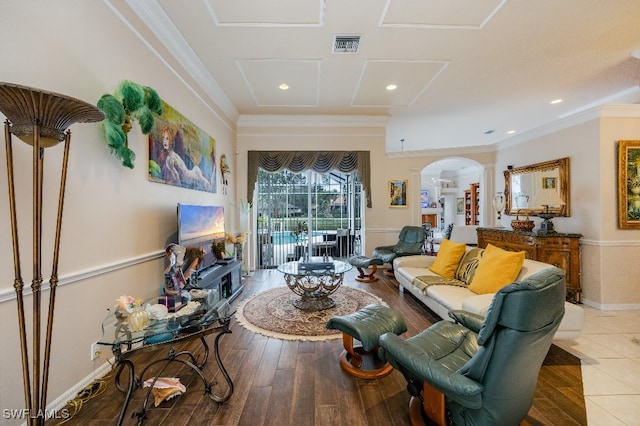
{"type": "Point", "coordinates": [95, 351]}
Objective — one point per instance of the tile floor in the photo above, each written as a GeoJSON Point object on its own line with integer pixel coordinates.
{"type": "Point", "coordinates": [609, 349]}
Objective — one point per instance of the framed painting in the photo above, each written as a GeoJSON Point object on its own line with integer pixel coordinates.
{"type": "Point", "coordinates": [549, 182]}
{"type": "Point", "coordinates": [424, 198]}
{"type": "Point", "coordinates": [629, 184]}
{"type": "Point", "coordinates": [460, 205]}
{"type": "Point", "coordinates": [181, 154]}
{"type": "Point", "coordinates": [398, 193]}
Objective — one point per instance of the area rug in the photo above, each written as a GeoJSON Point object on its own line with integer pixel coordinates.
{"type": "Point", "coordinates": [272, 314]}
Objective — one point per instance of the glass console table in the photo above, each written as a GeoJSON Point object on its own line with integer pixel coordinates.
{"type": "Point", "coordinates": [196, 320]}
{"type": "Point", "coordinates": [314, 281]}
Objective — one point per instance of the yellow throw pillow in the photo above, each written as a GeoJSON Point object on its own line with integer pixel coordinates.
{"type": "Point", "coordinates": [496, 268]}
{"type": "Point", "coordinates": [449, 255]}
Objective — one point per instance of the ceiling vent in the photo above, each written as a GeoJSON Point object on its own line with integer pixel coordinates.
{"type": "Point", "coordinates": [346, 43]}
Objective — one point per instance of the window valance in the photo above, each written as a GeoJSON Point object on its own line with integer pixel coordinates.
{"type": "Point", "coordinates": [319, 161]}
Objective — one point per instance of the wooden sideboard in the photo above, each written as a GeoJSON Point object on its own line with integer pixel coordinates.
{"type": "Point", "coordinates": [561, 250]}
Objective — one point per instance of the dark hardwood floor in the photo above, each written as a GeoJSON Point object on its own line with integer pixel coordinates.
{"type": "Point", "coordinates": [301, 383]}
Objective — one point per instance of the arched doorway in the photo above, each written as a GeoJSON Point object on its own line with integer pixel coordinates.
{"type": "Point", "coordinates": [445, 181]}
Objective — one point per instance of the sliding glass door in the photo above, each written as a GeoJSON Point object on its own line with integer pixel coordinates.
{"type": "Point", "coordinates": [307, 214]}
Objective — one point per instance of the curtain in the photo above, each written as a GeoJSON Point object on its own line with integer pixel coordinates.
{"type": "Point", "coordinates": [319, 161]}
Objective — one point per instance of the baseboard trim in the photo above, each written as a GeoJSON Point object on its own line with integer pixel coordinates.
{"type": "Point", "coordinates": [60, 402]}
{"type": "Point", "coordinates": [612, 306]}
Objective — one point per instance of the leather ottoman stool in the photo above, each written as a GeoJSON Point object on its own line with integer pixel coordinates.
{"type": "Point", "coordinates": [366, 325]}
{"type": "Point", "coordinates": [363, 262]}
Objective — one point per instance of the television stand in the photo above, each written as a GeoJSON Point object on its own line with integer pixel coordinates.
{"type": "Point", "coordinates": [225, 279]}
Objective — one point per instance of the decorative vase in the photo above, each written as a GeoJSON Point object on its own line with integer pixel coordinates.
{"type": "Point", "coordinates": [138, 319]}
{"type": "Point", "coordinates": [121, 315]}
{"type": "Point", "coordinates": [237, 248]}
{"type": "Point", "coordinates": [498, 204]}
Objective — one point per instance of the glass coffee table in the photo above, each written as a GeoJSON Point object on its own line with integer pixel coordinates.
{"type": "Point", "coordinates": [314, 280]}
{"type": "Point", "coordinates": [196, 320]}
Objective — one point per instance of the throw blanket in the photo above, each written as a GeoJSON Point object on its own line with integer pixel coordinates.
{"type": "Point", "coordinates": [462, 278]}
{"type": "Point", "coordinates": [425, 281]}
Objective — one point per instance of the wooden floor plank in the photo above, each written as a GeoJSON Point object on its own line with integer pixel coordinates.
{"type": "Point", "coordinates": [288, 354]}
{"type": "Point", "coordinates": [268, 363]}
{"type": "Point", "coordinates": [255, 413]}
{"type": "Point", "coordinates": [281, 399]}
{"type": "Point", "coordinates": [375, 408]}
{"type": "Point", "coordinates": [303, 398]}
{"type": "Point", "coordinates": [325, 376]}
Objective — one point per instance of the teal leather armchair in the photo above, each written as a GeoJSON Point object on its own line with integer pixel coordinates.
{"type": "Point", "coordinates": [410, 242]}
{"type": "Point", "coordinates": [482, 371]}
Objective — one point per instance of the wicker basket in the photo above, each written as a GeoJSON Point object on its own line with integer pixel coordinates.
{"type": "Point", "coordinates": [522, 225]}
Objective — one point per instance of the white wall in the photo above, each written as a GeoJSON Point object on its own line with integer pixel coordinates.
{"type": "Point", "coordinates": [609, 255]}
{"type": "Point", "coordinates": [116, 222]}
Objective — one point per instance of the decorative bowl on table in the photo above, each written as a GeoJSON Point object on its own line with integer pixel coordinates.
{"type": "Point", "coordinates": [158, 311]}
{"type": "Point", "coordinates": [198, 294]}
{"type": "Point", "coordinates": [522, 225]}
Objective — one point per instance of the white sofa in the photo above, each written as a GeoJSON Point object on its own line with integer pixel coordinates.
{"type": "Point", "coordinates": [467, 234]}
{"type": "Point", "coordinates": [443, 298]}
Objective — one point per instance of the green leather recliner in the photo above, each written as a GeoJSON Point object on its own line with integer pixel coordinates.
{"type": "Point", "coordinates": [410, 242]}
{"type": "Point", "coordinates": [482, 371]}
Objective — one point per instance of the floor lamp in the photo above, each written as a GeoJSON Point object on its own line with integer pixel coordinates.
{"type": "Point", "coordinates": [40, 119]}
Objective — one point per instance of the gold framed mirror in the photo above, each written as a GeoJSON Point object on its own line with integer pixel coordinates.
{"type": "Point", "coordinates": [521, 184]}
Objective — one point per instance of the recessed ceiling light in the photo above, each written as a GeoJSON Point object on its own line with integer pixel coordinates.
{"type": "Point", "coordinates": [556, 101]}
{"type": "Point", "coordinates": [283, 86]}
{"type": "Point", "coordinates": [392, 87]}
{"type": "Point", "coordinates": [510, 132]}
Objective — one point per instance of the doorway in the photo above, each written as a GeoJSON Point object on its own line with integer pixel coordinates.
{"type": "Point", "coordinates": [307, 214]}
{"type": "Point", "coordinates": [446, 180]}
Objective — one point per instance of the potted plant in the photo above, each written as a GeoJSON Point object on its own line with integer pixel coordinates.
{"type": "Point", "coordinates": [218, 249]}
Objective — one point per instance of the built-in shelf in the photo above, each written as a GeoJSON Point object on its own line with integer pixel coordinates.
{"type": "Point", "coordinates": [472, 205]}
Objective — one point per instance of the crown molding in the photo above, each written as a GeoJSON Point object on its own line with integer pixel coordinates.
{"type": "Point", "coordinates": [443, 152]}
{"type": "Point", "coordinates": [156, 19]}
{"type": "Point", "coordinates": [596, 113]}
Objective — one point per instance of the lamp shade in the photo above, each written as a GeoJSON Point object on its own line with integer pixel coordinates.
{"type": "Point", "coordinates": [548, 197]}
{"type": "Point", "coordinates": [54, 113]}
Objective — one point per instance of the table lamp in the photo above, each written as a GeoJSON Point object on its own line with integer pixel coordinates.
{"type": "Point", "coordinates": [546, 198]}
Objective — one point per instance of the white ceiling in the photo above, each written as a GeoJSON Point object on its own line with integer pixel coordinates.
{"type": "Point", "coordinates": [462, 67]}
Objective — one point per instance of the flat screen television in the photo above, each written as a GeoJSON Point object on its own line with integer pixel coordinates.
{"type": "Point", "coordinates": [200, 226]}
